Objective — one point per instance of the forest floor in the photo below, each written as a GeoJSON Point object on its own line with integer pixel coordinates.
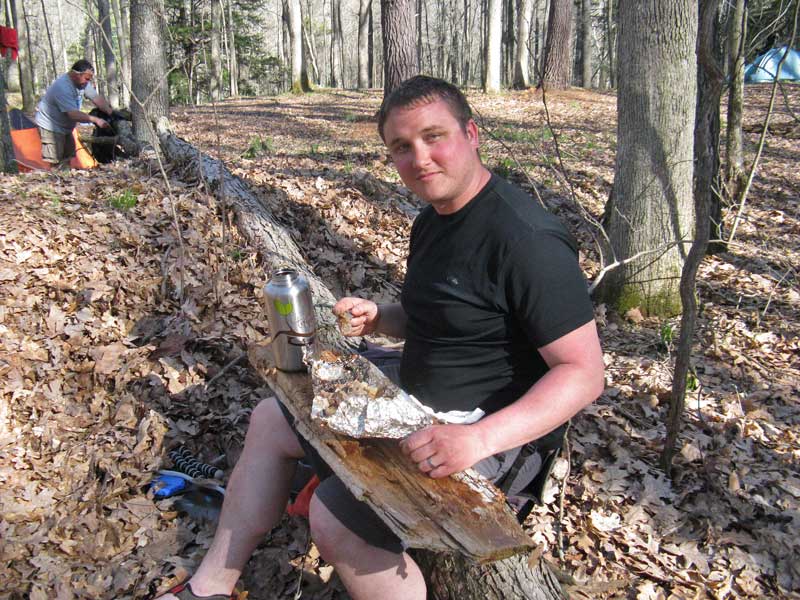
{"type": "Point", "coordinates": [121, 340]}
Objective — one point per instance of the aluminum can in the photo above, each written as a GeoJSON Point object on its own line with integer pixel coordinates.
{"type": "Point", "coordinates": [290, 310]}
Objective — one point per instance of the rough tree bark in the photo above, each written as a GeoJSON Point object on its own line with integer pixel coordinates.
{"type": "Point", "coordinates": [233, 60]}
{"type": "Point", "coordinates": [710, 82]}
{"type": "Point", "coordinates": [734, 170]}
{"type": "Point", "coordinates": [557, 69]}
{"type": "Point", "coordinates": [650, 213]}
{"type": "Point", "coordinates": [295, 22]}
{"type": "Point", "coordinates": [7, 162]}
{"type": "Point", "coordinates": [611, 44]}
{"type": "Point", "coordinates": [523, 57]}
{"type": "Point", "coordinates": [337, 44]}
{"type": "Point", "coordinates": [49, 40]}
{"type": "Point", "coordinates": [364, 12]}
{"type": "Point", "coordinates": [494, 26]}
{"type": "Point", "coordinates": [309, 73]}
{"type": "Point", "coordinates": [61, 37]}
{"type": "Point", "coordinates": [124, 55]}
{"type": "Point", "coordinates": [148, 69]}
{"type": "Point", "coordinates": [215, 82]}
{"type": "Point", "coordinates": [108, 52]}
{"type": "Point", "coordinates": [586, 43]}
{"type": "Point", "coordinates": [399, 30]}
{"type": "Point", "coordinates": [449, 576]}
{"type": "Point", "coordinates": [24, 57]}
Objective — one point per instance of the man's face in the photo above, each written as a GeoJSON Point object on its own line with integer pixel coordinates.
{"type": "Point", "coordinates": [436, 158]}
{"type": "Point", "coordinates": [81, 79]}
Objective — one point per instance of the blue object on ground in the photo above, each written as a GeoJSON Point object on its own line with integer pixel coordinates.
{"type": "Point", "coordinates": [765, 66]}
{"type": "Point", "coordinates": [164, 486]}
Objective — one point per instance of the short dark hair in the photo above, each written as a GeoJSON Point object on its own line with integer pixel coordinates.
{"type": "Point", "coordinates": [82, 65]}
{"type": "Point", "coordinates": [422, 89]}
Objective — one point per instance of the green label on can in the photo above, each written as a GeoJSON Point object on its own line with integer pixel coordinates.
{"type": "Point", "coordinates": [283, 309]}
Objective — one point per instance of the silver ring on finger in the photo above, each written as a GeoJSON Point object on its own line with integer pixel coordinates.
{"type": "Point", "coordinates": [430, 463]}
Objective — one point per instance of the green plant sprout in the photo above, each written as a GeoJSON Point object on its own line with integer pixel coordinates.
{"type": "Point", "coordinates": [124, 201]}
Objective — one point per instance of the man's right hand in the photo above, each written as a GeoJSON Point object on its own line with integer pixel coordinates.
{"type": "Point", "coordinates": [99, 122]}
{"type": "Point", "coordinates": [362, 314]}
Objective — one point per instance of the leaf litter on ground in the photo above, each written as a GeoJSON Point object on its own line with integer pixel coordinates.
{"type": "Point", "coordinates": [120, 340]}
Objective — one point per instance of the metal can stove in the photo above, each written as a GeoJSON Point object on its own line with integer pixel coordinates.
{"type": "Point", "coordinates": [290, 310]}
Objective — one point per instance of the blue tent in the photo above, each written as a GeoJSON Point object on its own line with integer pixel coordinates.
{"type": "Point", "coordinates": [763, 68]}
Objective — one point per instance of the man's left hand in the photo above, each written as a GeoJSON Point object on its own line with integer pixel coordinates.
{"type": "Point", "coordinates": [441, 450]}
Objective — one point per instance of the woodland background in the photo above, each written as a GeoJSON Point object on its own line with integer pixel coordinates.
{"type": "Point", "coordinates": [129, 298]}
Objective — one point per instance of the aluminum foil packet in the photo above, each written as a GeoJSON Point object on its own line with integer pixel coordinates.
{"type": "Point", "coordinates": [353, 397]}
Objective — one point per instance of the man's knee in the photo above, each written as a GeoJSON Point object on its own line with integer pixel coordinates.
{"type": "Point", "coordinates": [333, 540]}
{"type": "Point", "coordinates": [270, 427]}
{"type": "Point", "coordinates": [267, 414]}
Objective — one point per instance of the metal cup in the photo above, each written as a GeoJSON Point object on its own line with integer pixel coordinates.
{"type": "Point", "coordinates": [290, 310]}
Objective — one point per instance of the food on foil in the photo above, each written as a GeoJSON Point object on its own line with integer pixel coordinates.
{"type": "Point", "coordinates": [352, 397]}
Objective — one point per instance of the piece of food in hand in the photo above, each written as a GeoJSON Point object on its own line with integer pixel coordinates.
{"type": "Point", "coordinates": [344, 322]}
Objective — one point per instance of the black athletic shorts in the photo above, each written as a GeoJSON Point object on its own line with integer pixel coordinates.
{"type": "Point", "coordinates": [357, 515]}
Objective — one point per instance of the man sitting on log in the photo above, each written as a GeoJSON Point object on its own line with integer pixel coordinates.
{"type": "Point", "coordinates": [60, 108]}
{"type": "Point", "coordinates": [495, 315]}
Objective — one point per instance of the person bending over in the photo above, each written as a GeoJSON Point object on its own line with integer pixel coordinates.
{"type": "Point", "coordinates": [60, 109]}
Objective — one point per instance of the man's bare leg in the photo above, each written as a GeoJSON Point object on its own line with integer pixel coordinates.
{"type": "Point", "coordinates": [366, 571]}
{"type": "Point", "coordinates": [255, 499]}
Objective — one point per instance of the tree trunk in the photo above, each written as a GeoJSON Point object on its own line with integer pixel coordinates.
{"type": "Point", "coordinates": [451, 577]}
{"type": "Point", "coordinates": [467, 54]}
{"type": "Point", "coordinates": [364, 11]}
{"type": "Point", "coordinates": [124, 55]}
{"type": "Point", "coordinates": [215, 82]}
{"type": "Point", "coordinates": [371, 44]}
{"type": "Point", "coordinates": [49, 41]}
{"type": "Point", "coordinates": [586, 43]}
{"type": "Point", "coordinates": [611, 44]}
{"type": "Point", "coordinates": [62, 39]}
{"type": "Point", "coordinates": [420, 49]}
{"type": "Point", "coordinates": [292, 8]}
{"type": "Point", "coordinates": [493, 38]}
{"type": "Point", "coordinates": [148, 68]}
{"type": "Point", "coordinates": [7, 162]}
{"type": "Point", "coordinates": [399, 43]}
{"type": "Point", "coordinates": [337, 43]}
{"type": "Point", "coordinates": [509, 41]}
{"type": "Point", "coordinates": [309, 73]}
{"type": "Point", "coordinates": [710, 81]}
{"type": "Point", "coordinates": [281, 40]}
{"type": "Point", "coordinates": [557, 71]}
{"type": "Point", "coordinates": [650, 213]}
{"type": "Point", "coordinates": [448, 576]}
{"type": "Point", "coordinates": [24, 57]}
{"type": "Point", "coordinates": [233, 60]}
{"type": "Point", "coordinates": [735, 177]}
{"type": "Point", "coordinates": [108, 52]}
{"type": "Point", "coordinates": [523, 57]}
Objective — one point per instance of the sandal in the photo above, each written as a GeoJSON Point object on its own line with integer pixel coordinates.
{"type": "Point", "coordinates": [183, 591]}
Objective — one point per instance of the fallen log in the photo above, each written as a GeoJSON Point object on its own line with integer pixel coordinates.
{"type": "Point", "coordinates": [115, 141]}
{"type": "Point", "coordinates": [464, 531]}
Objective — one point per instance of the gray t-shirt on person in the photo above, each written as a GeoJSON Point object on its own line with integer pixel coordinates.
{"type": "Point", "coordinates": [62, 96]}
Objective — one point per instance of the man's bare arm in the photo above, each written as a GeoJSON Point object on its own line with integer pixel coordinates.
{"type": "Point", "coordinates": [101, 103]}
{"type": "Point", "coordinates": [575, 379]}
{"type": "Point", "coordinates": [366, 317]}
{"type": "Point", "coordinates": [82, 117]}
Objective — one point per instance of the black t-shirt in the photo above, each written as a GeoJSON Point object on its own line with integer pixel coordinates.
{"type": "Point", "coordinates": [485, 287]}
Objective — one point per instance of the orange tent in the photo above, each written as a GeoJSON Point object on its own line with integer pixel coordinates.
{"type": "Point", "coordinates": [28, 146]}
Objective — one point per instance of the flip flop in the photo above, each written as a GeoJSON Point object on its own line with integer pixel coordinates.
{"type": "Point", "coordinates": [183, 591]}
